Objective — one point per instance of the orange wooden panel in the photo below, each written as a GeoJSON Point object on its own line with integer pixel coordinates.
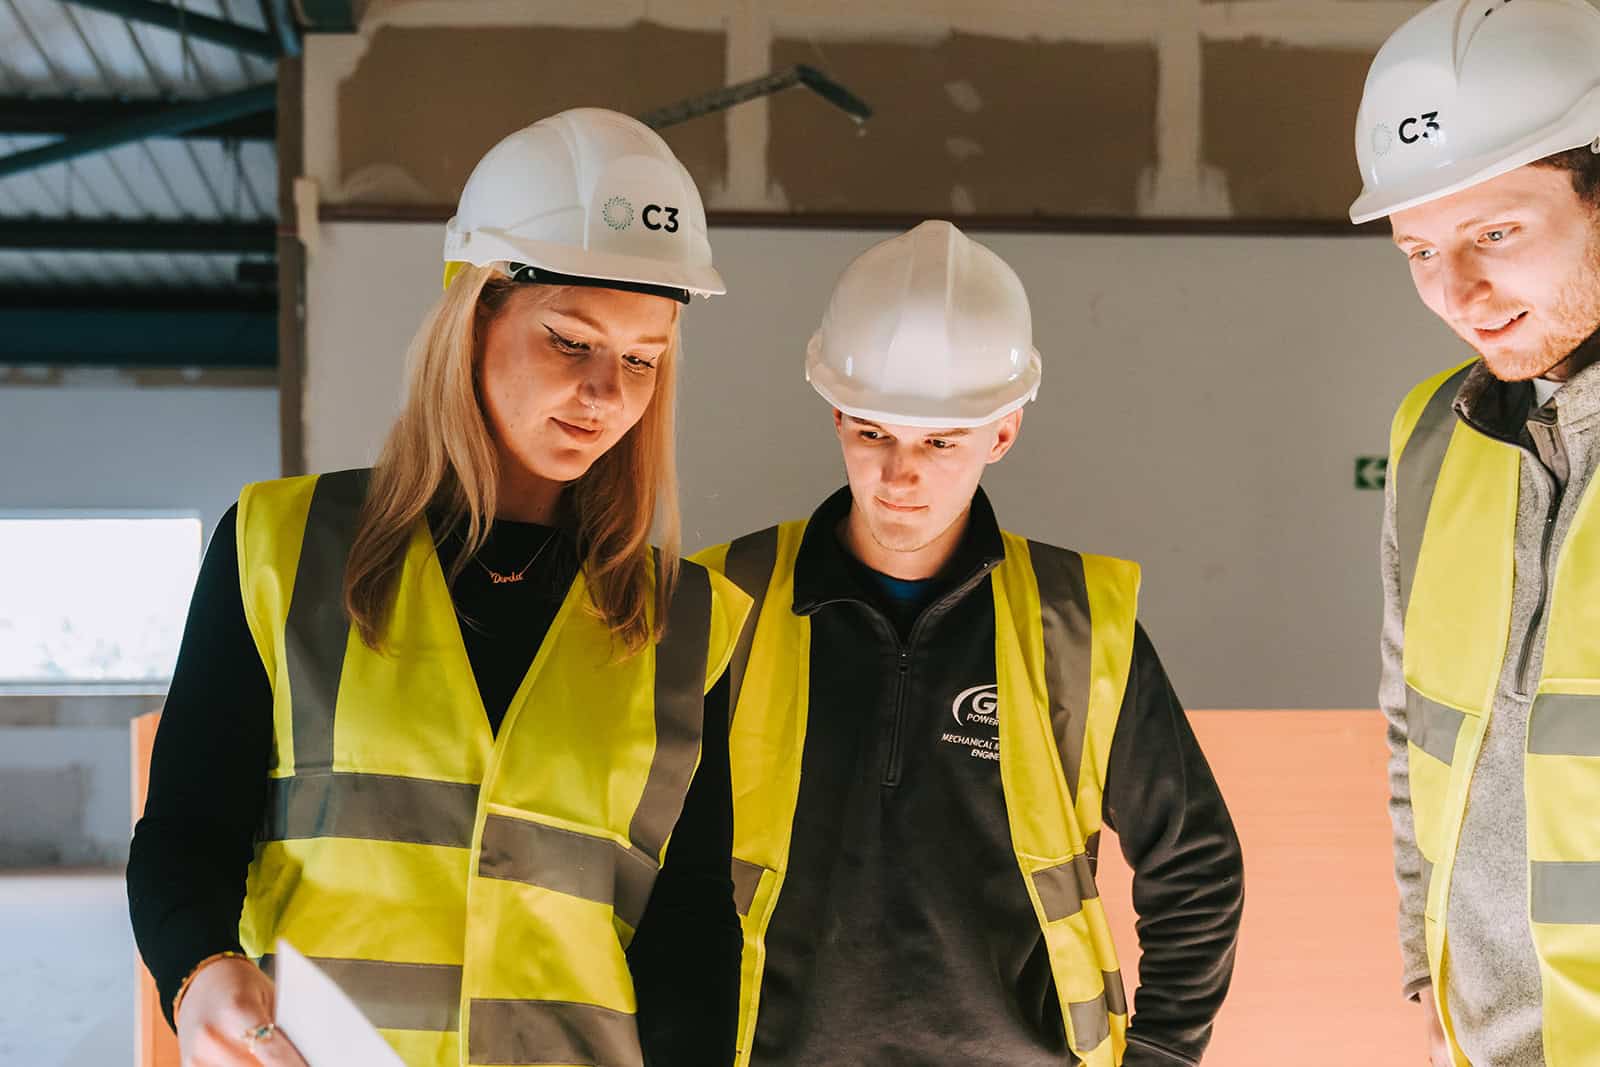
{"type": "Point", "coordinates": [155, 1045]}
{"type": "Point", "coordinates": [1318, 975]}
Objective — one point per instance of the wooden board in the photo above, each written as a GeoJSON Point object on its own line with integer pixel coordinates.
{"type": "Point", "coordinates": [154, 1043]}
{"type": "Point", "coordinates": [1318, 973]}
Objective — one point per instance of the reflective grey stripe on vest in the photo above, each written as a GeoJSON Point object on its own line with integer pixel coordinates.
{"type": "Point", "coordinates": [550, 1032]}
{"type": "Point", "coordinates": [396, 996]}
{"type": "Point", "coordinates": [1421, 459]}
{"type": "Point", "coordinates": [1563, 724]}
{"type": "Point", "coordinates": [1091, 1022]}
{"type": "Point", "coordinates": [750, 563]}
{"type": "Point", "coordinates": [680, 700]}
{"type": "Point", "coordinates": [1432, 727]}
{"type": "Point", "coordinates": [1565, 892]}
{"type": "Point", "coordinates": [317, 629]}
{"type": "Point", "coordinates": [579, 865]}
{"type": "Point", "coordinates": [1064, 888]}
{"type": "Point", "coordinates": [1068, 645]}
{"type": "Point", "coordinates": [375, 807]}
{"type": "Point", "coordinates": [746, 880]}
{"type": "Point", "coordinates": [1068, 652]}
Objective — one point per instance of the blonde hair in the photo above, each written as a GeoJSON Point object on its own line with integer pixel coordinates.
{"type": "Point", "coordinates": [440, 453]}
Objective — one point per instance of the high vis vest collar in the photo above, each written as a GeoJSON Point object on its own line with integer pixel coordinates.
{"type": "Point", "coordinates": [1064, 626]}
{"type": "Point", "coordinates": [473, 893]}
{"type": "Point", "coordinates": [1455, 518]}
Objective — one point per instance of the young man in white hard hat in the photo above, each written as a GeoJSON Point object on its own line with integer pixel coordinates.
{"type": "Point", "coordinates": [934, 718]}
{"type": "Point", "coordinates": [1476, 137]}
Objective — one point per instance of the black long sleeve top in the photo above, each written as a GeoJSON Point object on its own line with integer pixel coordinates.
{"type": "Point", "coordinates": [208, 786]}
{"type": "Point", "coordinates": [904, 932]}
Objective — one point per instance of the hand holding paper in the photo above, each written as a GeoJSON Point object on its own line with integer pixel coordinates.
{"type": "Point", "coordinates": [322, 1021]}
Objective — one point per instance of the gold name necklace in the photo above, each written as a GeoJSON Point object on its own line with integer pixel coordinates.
{"type": "Point", "coordinates": [515, 576]}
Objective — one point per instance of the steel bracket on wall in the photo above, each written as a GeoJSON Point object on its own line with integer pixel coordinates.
{"type": "Point", "coordinates": [732, 95]}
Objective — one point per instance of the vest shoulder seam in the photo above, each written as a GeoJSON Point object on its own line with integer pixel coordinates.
{"type": "Point", "coordinates": [1414, 407]}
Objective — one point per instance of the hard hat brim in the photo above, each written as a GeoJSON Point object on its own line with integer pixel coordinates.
{"type": "Point", "coordinates": [1579, 126]}
{"type": "Point", "coordinates": [489, 247]}
{"type": "Point", "coordinates": [925, 412]}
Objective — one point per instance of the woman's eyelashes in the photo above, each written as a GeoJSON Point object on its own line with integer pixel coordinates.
{"type": "Point", "coordinates": [567, 345]}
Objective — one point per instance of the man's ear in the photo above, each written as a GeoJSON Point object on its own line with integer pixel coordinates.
{"type": "Point", "coordinates": [1006, 433]}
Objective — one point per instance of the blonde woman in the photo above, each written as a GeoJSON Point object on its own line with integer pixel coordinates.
{"type": "Point", "coordinates": [434, 723]}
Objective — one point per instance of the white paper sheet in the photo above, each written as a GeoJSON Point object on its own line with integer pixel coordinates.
{"type": "Point", "coordinates": [324, 1024]}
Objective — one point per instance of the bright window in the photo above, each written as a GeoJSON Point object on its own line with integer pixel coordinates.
{"type": "Point", "coordinates": [94, 598]}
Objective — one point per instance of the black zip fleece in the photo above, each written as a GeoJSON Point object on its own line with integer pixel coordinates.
{"type": "Point", "coordinates": [904, 933]}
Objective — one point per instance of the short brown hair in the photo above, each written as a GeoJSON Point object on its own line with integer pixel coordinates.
{"type": "Point", "coordinates": [1584, 166]}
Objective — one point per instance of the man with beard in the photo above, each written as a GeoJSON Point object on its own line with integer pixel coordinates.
{"type": "Point", "coordinates": [934, 717]}
{"type": "Point", "coordinates": [1477, 137]}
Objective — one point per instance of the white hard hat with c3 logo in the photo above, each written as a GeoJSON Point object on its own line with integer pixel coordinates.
{"type": "Point", "coordinates": [586, 194]}
{"type": "Point", "coordinates": [1467, 90]}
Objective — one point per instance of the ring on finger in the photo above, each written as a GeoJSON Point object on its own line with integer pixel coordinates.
{"type": "Point", "coordinates": [260, 1033]}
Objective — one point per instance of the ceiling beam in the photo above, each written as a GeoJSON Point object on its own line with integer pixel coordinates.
{"type": "Point", "coordinates": [137, 329]}
{"type": "Point", "coordinates": [279, 17]}
{"type": "Point", "coordinates": [116, 235]}
{"type": "Point", "coordinates": [201, 27]}
{"type": "Point", "coordinates": [327, 16]}
{"type": "Point", "coordinates": [170, 121]}
{"type": "Point", "coordinates": [33, 115]}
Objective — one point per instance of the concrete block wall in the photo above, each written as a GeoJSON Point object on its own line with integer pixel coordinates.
{"type": "Point", "coordinates": [1018, 109]}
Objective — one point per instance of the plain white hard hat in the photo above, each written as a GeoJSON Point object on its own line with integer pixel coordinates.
{"type": "Point", "coordinates": [1466, 91]}
{"type": "Point", "coordinates": [586, 193]}
{"type": "Point", "coordinates": [929, 328]}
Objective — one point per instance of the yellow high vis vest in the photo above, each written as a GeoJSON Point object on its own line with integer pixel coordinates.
{"type": "Point", "coordinates": [473, 893]}
{"type": "Point", "coordinates": [1456, 515]}
{"type": "Point", "coordinates": [1064, 626]}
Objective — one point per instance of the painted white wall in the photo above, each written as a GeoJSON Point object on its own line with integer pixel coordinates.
{"type": "Point", "coordinates": [1204, 400]}
{"type": "Point", "coordinates": [169, 448]}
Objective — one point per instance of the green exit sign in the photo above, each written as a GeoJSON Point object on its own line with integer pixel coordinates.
{"type": "Point", "coordinates": [1371, 471]}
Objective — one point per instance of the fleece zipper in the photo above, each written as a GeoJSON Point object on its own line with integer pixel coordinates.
{"type": "Point", "coordinates": [903, 653]}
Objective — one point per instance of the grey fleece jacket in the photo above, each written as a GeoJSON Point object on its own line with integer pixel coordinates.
{"type": "Point", "coordinates": [1494, 988]}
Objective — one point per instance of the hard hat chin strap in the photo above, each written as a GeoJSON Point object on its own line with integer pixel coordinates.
{"type": "Point", "coordinates": [522, 272]}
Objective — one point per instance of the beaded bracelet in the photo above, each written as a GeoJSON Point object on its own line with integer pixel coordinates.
{"type": "Point", "coordinates": [213, 958]}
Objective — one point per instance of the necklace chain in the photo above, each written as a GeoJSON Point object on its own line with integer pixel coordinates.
{"type": "Point", "coordinates": [515, 576]}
